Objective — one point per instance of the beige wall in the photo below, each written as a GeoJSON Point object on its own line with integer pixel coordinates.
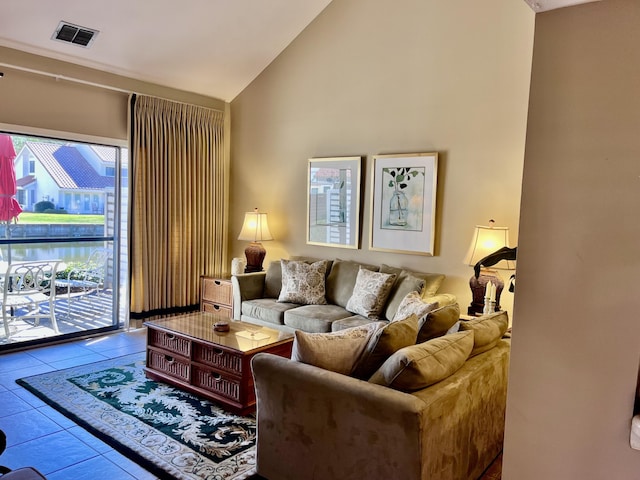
{"type": "Point", "coordinates": [43, 102]}
{"type": "Point", "coordinates": [576, 339]}
{"type": "Point", "coordinates": [372, 77]}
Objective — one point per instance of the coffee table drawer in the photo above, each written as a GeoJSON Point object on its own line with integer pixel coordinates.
{"type": "Point", "coordinates": [218, 358]}
{"type": "Point", "coordinates": [169, 364]}
{"type": "Point", "coordinates": [216, 382]}
{"type": "Point", "coordinates": [170, 341]}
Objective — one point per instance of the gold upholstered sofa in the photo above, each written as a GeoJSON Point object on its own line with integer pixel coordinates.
{"type": "Point", "coordinates": [314, 423]}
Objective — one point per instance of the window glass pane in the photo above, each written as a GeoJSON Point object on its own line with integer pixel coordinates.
{"type": "Point", "coordinates": [67, 214]}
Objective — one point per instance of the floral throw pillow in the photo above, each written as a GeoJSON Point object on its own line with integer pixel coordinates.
{"type": "Point", "coordinates": [303, 283]}
{"type": "Point", "coordinates": [370, 293]}
{"type": "Point", "coordinates": [413, 303]}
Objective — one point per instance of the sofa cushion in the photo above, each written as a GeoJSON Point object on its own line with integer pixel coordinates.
{"type": "Point", "coordinates": [384, 343]}
{"type": "Point", "coordinates": [370, 293]}
{"type": "Point", "coordinates": [342, 279]}
{"type": "Point", "coordinates": [487, 330]}
{"type": "Point", "coordinates": [432, 281]}
{"type": "Point", "coordinates": [405, 283]}
{"type": "Point", "coordinates": [273, 280]}
{"type": "Point", "coordinates": [349, 322]}
{"type": "Point", "coordinates": [414, 303]}
{"type": "Point", "coordinates": [304, 258]}
{"type": "Point", "coordinates": [437, 322]}
{"type": "Point", "coordinates": [303, 283]}
{"type": "Point", "coordinates": [314, 318]}
{"type": "Point", "coordinates": [418, 366]}
{"type": "Point", "coordinates": [266, 309]}
{"type": "Point", "coordinates": [335, 351]}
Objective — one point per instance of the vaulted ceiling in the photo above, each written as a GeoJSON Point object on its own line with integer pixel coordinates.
{"type": "Point", "coordinates": [211, 47]}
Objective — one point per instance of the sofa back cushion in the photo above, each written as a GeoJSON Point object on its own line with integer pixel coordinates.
{"type": "Point", "coordinates": [432, 281]}
{"type": "Point", "coordinates": [438, 322]}
{"type": "Point", "coordinates": [384, 343]}
{"type": "Point", "coordinates": [405, 283]}
{"type": "Point", "coordinates": [342, 279]}
{"type": "Point", "coordinates": [418, 366]}
{"type": "Point", "coordinates": [488, 330]}
{"type": "Point", "coordinates": [273, 280]}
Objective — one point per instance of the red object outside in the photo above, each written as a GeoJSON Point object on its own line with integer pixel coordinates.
{"type": "Point", "coordinates": [9, 206]}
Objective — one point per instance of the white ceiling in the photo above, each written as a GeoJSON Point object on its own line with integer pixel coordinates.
{"type": "Point", "coordinates": [545, 5]}
{"type": "Point", "coordinates": [211, 47]}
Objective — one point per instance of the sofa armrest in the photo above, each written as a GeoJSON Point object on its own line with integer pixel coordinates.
{"type": "Point", "coordinates": [246, 286]}
{"type": "Point", "coordinates": [316, 424]}
{"type": "Point", "coordinates": [443, 299]}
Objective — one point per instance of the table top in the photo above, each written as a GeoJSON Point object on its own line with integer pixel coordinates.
{"type": "Point", "coordinates": [242, 336]}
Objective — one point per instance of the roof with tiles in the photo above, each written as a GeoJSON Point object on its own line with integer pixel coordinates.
{"type": "Point", "coordinates": [68, 168]}
{"type": "Point", "coordinates": [108, 154]}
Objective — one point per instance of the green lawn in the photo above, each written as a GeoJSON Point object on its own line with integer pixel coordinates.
{"type": "Point", "coordinates": [30, 217]}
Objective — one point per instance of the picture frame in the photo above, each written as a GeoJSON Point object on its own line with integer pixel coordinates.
{"type": "Point", "coordinates": [333, 201]}
{"type": "Point", "coordinates": [403, 203]}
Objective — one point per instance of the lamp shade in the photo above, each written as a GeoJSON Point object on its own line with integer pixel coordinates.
{"type": "Point", "coordinates": [485, 241]}
{"type": "Point", "coordinates": [255, 227]}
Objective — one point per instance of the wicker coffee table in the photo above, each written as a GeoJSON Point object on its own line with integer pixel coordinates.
{"type": "Point", "coordinates": [186, 351]}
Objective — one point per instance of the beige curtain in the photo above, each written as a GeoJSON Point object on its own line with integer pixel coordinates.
{"type": "Point", "coordinates": [179, 195]}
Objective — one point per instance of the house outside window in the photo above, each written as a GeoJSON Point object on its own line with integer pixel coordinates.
{"type": "Point", "coordinates": [70, 176]}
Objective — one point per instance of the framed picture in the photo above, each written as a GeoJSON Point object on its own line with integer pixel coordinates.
{"type": "Point", "coordinates": [403, 206]}
{"type": "Point", "coordinates": [333, 201]}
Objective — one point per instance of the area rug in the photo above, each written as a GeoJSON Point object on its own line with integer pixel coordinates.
{"type": "Point", "coordinates": [171, 433]}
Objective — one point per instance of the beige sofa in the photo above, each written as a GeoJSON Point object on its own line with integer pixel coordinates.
{"type": "Point", "coordinates": [318, 424]}
{"type": "Point", "coordinates": [256, 297]}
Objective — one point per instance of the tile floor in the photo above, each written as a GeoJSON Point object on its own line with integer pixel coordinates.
{"type": "Point", "coordinates": [39, 436]}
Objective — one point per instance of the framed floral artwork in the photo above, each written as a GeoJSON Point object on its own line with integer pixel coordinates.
{"type": "Point", "coordinates": [333, 202]}
{"type": "Point", "coordinates": [403, 206]}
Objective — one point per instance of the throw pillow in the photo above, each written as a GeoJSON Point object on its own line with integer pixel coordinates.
{"type": "Point", "coordinates": [384, 343]}
{"type": "Point", "coordinates": [487, 330]}
{"type": "Point", "coordinates": [437, 322]}
{"type": "Point", "coordinates": [342, 279]}
{"type": "Point", "coordinates": [370, 293]}
{"type": "Point", "coordinates": [413, 303]}
{"type": "Point", "coordinates": [404, 284]}
{"type": "Point", "coordinates": [335, 351]}
{"type": "Point", "coordinates": [303, 283]}
{"type": "Point", "coordinates": [418, 366]}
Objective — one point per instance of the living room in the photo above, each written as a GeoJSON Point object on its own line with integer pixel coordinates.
{"type": "Point", "coordinates": [535, 130]}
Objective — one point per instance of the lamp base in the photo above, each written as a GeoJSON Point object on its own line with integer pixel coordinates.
{"type": "Point", "coordinates": [478, 289]}
{"type": "Point", "coordinates": [255, 254]}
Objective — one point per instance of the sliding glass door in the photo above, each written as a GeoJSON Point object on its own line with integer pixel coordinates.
{"type": "Point", "coordinates": [63, 221]}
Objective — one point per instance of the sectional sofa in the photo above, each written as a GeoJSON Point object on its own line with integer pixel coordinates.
{"type": "Point", "coordinates": [431, 411]}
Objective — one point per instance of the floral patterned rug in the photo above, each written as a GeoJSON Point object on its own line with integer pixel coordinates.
{"type": "Point", "coordinates": [171, 433]}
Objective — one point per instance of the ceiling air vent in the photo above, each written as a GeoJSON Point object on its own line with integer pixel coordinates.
{"type": "Point", "coordinates": [70, 33]}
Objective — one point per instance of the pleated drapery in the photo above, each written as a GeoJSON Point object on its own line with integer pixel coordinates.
{"type": "Point", "coordinates": [179, 197]}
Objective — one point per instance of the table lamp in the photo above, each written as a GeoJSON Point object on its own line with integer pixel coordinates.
{"type": "Point", "coordinates": [255, 229]}
{"type": "Point", "coordinates": [485, 241]}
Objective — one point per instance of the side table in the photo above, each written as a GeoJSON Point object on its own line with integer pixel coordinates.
{"type": "Point", "coordinates": [216, 296]}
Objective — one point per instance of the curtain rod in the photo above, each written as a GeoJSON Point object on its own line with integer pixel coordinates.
{"type": "Point", "coordinates": [92, 84]}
